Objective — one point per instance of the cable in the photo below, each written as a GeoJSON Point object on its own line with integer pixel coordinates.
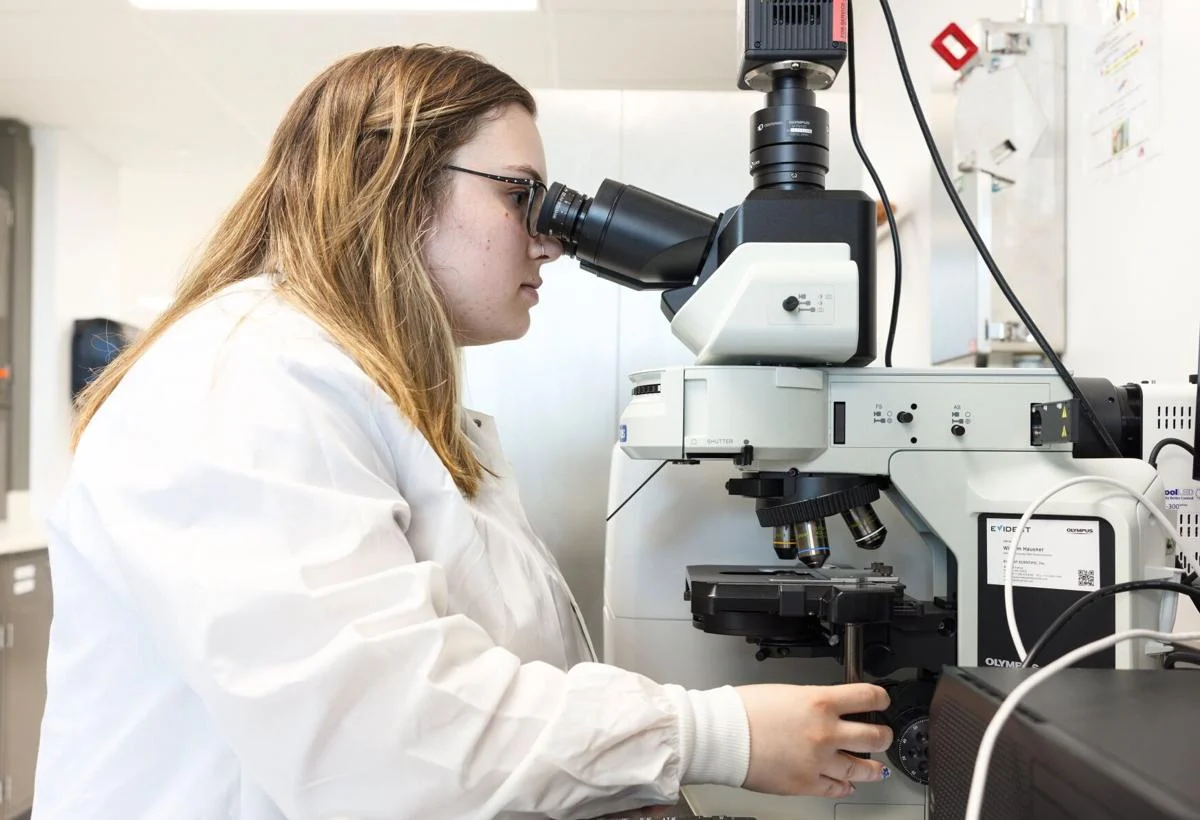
{"type": "Point", "coordinates": [948, 184]}
{"type": "Point", "coordinates": [1153, 458]}
{"type": "Point", "coordinates": [1191, 656]}
{"type": "Point", "coordinates": [583, 627]}
{"type": "Point", "coordinates": [988, 745]}
{"type": "Point", "coordinates": [638, 490]}
{"type": "Point", "coordinates": [1092, 597]}
{"type": "Point", "coordinates": [883, 197]}
{"type": "Point", "coordinates": [1010, 562]}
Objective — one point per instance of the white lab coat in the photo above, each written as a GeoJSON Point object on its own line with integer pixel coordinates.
{"type": "Point", "coordinates": [271, 601]}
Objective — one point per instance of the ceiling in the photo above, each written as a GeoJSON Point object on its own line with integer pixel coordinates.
{"type": "Point", "coordinates": [157, 89]}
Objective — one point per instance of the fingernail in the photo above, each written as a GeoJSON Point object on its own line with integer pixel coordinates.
{"type": "Point", "coordinates": [886, 773]}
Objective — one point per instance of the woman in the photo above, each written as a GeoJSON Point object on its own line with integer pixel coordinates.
{"type": "Point", "coordinates": [293, 578]}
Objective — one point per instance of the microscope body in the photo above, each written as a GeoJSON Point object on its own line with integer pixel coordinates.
{"type": "Point", "coordinates": [696, 594]}
{"type": "Point", "coordinates": [732, 567]}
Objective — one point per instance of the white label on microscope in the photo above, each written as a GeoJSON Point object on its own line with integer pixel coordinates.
{"type": "Point", "coordinates": [1054, 554]}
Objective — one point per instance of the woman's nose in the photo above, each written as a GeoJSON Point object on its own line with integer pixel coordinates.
{"type": "Point", "coordinates": [546, 248]}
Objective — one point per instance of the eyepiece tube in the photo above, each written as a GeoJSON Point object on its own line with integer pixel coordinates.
{"type": "Point", "coordinates": [630, 236]}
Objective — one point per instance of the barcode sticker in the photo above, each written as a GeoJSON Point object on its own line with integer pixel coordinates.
{"type": "Point", "coordinates": [841, 23]}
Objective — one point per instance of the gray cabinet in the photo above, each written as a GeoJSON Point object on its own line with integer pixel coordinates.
{"type": "Point", "coordinates": [25, 611]}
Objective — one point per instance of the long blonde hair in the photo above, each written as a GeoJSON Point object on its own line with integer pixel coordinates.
{"type": "Point", "coordinates": [342, 207]}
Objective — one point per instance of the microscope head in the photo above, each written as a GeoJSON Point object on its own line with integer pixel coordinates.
{"type": "Point", "coordinates": [787, 276]}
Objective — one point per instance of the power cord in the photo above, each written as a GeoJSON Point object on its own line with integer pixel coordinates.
{"type": "Point", "coordinates": [883, 197]}
{"type": "Point", "coordinates": [1158, 448]}
{"type": "Point", "coordinates": [988, 745]}
{"type": "Point", "coordinates": [1092, 597]}
{"type": "Point", "coordinates": [1088, 412]}
{"type": "Point", "coordinates": [1010, 561]}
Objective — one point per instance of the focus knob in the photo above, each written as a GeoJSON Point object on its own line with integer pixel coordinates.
{"type": "Point", "coordinates": [908, 717]}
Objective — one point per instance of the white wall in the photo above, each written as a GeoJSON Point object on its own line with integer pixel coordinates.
{"type": "Point", "coordinates": [165, 219]}
{"type": "Point", "coordinates": [76, 274]}
{"type": "Point", "coordinates": [1133, 291]}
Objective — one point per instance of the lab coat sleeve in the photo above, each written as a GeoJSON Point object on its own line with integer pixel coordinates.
{"type": "Point", "coordinates": [261, 537]}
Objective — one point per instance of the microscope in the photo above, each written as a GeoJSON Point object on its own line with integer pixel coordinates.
{"type": "Point", "coordinates": [823, 521]}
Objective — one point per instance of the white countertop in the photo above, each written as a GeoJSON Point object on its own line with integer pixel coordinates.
{"type": "Point", "coordinates": [20, 531]}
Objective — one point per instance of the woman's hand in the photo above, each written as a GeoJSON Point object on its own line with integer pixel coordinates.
{"type": "Point", "coordinates": [799, 738]}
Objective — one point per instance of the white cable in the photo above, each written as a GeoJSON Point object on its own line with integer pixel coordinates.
{"type": "Point", "coordinates": [1011, 562]}
{"type": "Point", "coordinates": [992, 733]}
{"type": "Point", "coordinates": [587, 638]}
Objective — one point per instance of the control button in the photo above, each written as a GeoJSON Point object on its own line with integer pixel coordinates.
{"type": "Point", "coordinates": [791, 303]}
{"type": "Point", "coordinates": [958, 430]}
{"type": "Point", "coordinates": [904, 417]}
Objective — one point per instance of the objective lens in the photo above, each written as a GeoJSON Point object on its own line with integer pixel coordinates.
{"type": "Point", "coordinates": [812, 543]}
{"type": "Point", "coordinates": [869, 533]}
{"type": "Point", "coordinates": [785, 542]}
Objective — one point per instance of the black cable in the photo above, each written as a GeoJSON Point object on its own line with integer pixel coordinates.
{"type": "Point", "coordinates": [1099, 594]}
{"type": "Point", "coordinates": [883, 197]}
{"type": "Point", "coordinates": [948, 184]}
{"type": "Point", "coordinates": [638, 490]}
{"type": "Point", "coordinates": [1153, 459]}
{"type": "Point", "coordinates": [1191, 656]}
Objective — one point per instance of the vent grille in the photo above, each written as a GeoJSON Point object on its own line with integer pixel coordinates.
{"type": "Point", "coordinates": [1175, 417]}
{"type": "Point", "coordinates": [796, 13]}
{"type": "Point", "coordinates": [1189, 525]}
{"type": "Point", "coordinates": [793, 25]}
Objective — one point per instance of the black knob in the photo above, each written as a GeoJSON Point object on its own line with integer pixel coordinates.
{"type": "Point", "coordinates": [904, 417]}
{"type": "Point", "coordinates": [791, 303]}
{"type": "Point", "coordinates": [908, 716]}
{"type": "Point", "coordinates": [958, 430]}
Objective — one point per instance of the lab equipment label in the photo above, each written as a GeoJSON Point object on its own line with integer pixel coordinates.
{"type": "Point", "coordinates": [1053, 554]}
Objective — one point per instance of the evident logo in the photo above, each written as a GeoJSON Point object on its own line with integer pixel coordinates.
{"type": "Point", "coordinates": [1006, 528]}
